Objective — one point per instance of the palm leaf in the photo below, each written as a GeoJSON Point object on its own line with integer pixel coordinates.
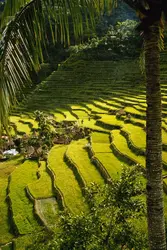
{"type": "Point", "coordinates": [25, 35]}
{"type": "Point", "coordinates": [11, 8]}
{"type": "Point", "coordinates": [20, 53]}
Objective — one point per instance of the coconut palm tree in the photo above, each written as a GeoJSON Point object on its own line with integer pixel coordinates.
{"type": "Point", "coordinates": [155, 213]}
{"type": "Point", "coordinates": [151, 26]}
{"type": "Point", "coordinates": [21, 46]}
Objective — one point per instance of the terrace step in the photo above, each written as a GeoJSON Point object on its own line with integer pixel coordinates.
{"type": "Point", "coordinates": [22, 210]}
{"type": "Point", "coordinates": [80, 157]}
{"type": "Point", "coordinates": [65, 180]}
{"type": "Point", "coordinates": [5, 227]}
{"type": "Point", "coordinates": [41, 188]}
{"type": "Point", "coordinates": [6, 168]}
{"type": "Point", "coordinates": [102, 151]}
{"type": "Point", "coordinates": [121, 144]}
{"type": "Point", "coordinates": [49, 211]}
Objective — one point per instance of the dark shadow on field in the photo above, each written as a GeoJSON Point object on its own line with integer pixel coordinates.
{"type": "Point", "coordinates": [81, 85]}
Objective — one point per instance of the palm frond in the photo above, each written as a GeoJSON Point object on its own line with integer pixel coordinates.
{"type": "Point", "coordinates": [20, 53]}
{"type": "Point", "coordinates": [23, 38]}
{"type": "Point", "coordinates": [161, 38]}
{"type": "Point", "coordinates": [11, 8]}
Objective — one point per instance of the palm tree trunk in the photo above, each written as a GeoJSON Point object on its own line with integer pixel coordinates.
{"type": "Point", "coordinates": [155, 207]}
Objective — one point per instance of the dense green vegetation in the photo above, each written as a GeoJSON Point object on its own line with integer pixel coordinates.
{"type": "Point", "coordinates": [101, 125]}
{"type": "Point", "coordinates": [111, 222]}
{"type": "Point", "coordinates": [90, 124]}
{"type": "Point", "coordinates": [101, 95]}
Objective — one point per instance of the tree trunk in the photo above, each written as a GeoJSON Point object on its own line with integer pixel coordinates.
{"type": "Point", "coordinates": [155, 207]}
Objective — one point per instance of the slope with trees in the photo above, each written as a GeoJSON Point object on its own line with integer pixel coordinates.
{"type": "Point", "coordinates": [18, 42]}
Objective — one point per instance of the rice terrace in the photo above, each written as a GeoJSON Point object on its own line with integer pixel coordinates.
{"type": "Point", "coordinates": [79, 129]}
{"type": "Point", "coordinates": [94, 103]}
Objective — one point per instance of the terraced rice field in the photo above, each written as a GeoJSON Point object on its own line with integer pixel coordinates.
{"type": "Point", "coordinates": [79, 156]}
{"type": "Point", "coordinates": [65, 180]}
{"type": "Point", "coordinates": [102, 150]}
{"type": "Point", "coordinates": [22, 208]}
{"type": "Point", "coordinates": [101, 95]}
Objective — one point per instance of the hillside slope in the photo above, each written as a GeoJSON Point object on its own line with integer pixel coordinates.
{"type": "Point", "coordinates": [106, 96]}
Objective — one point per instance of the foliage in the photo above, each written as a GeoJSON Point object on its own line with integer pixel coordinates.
{"type": "Point", "coordinates": [1, 6]}
{"type": "Point", "coordinates": [121, 39]}
{"type": "Point", "coordinates": [25, 36]}
{"type": "Point", "coordinates": [38, 143]}
{"type": "Point", "coordinates": [40, 140]}
{"type": "Point", "coordinates": [110, 223]}
{"type": "Point", "coordinates": [78, 154]}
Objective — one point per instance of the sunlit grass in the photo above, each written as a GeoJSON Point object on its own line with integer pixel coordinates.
{"type": "Point", "coordinates": [121, 144]}
{"type": "Point", "coordinates": [138, 120]}
{"type": "Point", "coordinates": [22, 207]}
{"type": "Point", "coordinates": [137, 134]}
{"type": "Point", "coordinates": [164, 157]}
{"type": "Point", "coordinates": [80, 157]}
{"type": "Point", "coordinates": [67, 114]}
{"type": "Point", "coordinates": [134, 111]}
{"type": "Point", "coordinates": [105, 105]}
{"type": "Point", "coordinates": [111, 120]}
{"type": "Point", "coordinates": [65, 180]}
{"type": "Point", "coordinates": [113, 102]}
{"type": "Point", "coordinates": [42, 188]}
{"type": "Point", "coordinates": [123, 101]}
{"type": "Point", "coordinates": [140, 108]}
{"type": "Point", "coordinates": [58, 116]}
{"type": "Point", "coordinates": [5, 236]}
{"type": "Point", "coordinates": [49, 211]}
{"type": "Point", "coordinates": [90, 124]}
{"type": "Point", "coordinates": [137, 99]}
{"type": "Point", "coordinates": [20, 126]}
{"type": "Point", "coordinates": [30, 120]}
{"type": "Point", "coordinates": [100, 137]}
{"type": "Point", "coordinates": [81, 114]}
{"type": "Point", "coordinates": [96, 109]}
{"type": "Point", "coordinates": [164, 136]}
{"type": "Point", "coordinates": [106, 157]}
{"type": "Point", "coordinates": [6, 168]}
{"type": "Point", "coordinates": [79, 107]}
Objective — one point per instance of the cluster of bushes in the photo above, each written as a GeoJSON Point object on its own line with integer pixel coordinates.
{"type": "Point", "coordinates": [119, 40]}
{"type": "Point", "coordinates": [111, 223]}
{"type": "Point", "coordinates": [49, 132]}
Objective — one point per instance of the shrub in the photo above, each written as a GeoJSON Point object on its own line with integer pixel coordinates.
{"type": "Point", "coordinates": [121, 39]}
{"type": "Point", "coordinates": [111, 222]}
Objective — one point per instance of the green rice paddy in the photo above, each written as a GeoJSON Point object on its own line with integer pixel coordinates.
{"type": "Point", "coordinates": [22, 208]}
{"type": "Point", "coordinates": [101, 148]}
{"type": "Point", "coordinates": [65, 180]}
{"type": "Point", "coordinates": [41, 188]}
{"type": "Point", "coordinates": [80, 157]}
{"type": "Point", "coordinates": [92, 97]}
